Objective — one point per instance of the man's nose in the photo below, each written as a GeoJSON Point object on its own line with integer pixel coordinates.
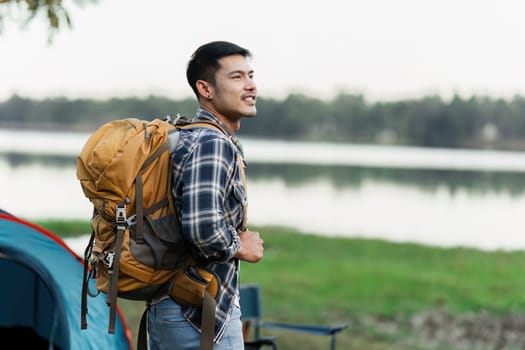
{"type": "Point", "coordinates": [250, 85]}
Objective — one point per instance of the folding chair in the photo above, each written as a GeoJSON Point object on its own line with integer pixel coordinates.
{"type": "Point", "coordinates": [251, 314]}
{"type": "Point", "coordinates": [251, 308]}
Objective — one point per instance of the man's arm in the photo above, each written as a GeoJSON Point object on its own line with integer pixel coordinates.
{"type": "Point", "coordinates": [206, 175]}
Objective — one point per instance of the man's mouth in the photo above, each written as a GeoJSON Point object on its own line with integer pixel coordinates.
{"type": "Point", "coordinates": [250, 99]}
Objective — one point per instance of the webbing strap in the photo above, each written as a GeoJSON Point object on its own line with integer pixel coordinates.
{"type": "Point", "coordinates": [206, 124]}
{"type": "Point", "coordinates": [142, 340]}
{"type": "Point", "coordinates": [113, 283]}
{"type": "Point", "coordinates": [139, 210]}
{"type": "Point", "coordinates": [164, 147]}
{"type": "Point", "coordinates": [162, 203]}
{"type": "Point", "coordinates": [139, 205]}
{"type": "Point", "coordinates": [85, 283]}
{"type": "Point", "coordinates": [240, 161]}
{"type": "Point", "coordinates": [207, 322]}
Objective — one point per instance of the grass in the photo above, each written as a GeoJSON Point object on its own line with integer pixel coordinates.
{"type": "Point", "coordinates": [312, 279]}
{"type": "Point", "coordinates": [384, 278]}
{"type": "Point", "coordinates": [66, 228]}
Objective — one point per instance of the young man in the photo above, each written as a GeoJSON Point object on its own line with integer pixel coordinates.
{"type": "Point", "coordinates": [210, 196]}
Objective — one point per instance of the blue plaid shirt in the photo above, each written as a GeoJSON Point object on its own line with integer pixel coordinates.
{"type": "Point", "coordinates": [210, 198]}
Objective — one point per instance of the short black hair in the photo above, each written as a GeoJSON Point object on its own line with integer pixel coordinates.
{"type": "Point", "coordinates": [205, 61]}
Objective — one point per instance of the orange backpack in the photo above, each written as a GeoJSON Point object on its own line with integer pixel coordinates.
{"type": "Point", "coordinates": [136, 249]}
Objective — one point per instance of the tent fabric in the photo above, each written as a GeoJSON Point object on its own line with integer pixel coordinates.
{"type": "Point", "coordinates": [41, 291]}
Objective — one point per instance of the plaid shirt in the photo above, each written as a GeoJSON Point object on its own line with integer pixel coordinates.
{"type": "Point", "coordinates": [210, 198]}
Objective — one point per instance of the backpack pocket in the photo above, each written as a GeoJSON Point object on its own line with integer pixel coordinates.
{"type": "Point", "coordinates": [163, 246]}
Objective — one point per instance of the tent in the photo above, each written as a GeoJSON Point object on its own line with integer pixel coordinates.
{"type": "Point", "coordinates": [40, 295]}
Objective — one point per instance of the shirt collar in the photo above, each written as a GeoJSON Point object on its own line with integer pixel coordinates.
{"type": "Point", "coordinates": [204, 114]}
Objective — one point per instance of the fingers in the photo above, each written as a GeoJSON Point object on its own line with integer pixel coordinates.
{"type": "Point", "coordinates": [252, 248]}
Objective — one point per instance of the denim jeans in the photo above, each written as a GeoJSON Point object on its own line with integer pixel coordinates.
{"type": "Point", "coordinates": [169, 330]}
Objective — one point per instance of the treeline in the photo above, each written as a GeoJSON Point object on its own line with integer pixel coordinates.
{"type": "Point", "coordinates": [476, 122]}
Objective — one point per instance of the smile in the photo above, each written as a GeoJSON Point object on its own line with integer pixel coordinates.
{"type": "Point", "coordinates": [250, 99]}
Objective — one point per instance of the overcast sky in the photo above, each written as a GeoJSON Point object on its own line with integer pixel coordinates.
{"type": "Point", "coordinates": [382, 49]}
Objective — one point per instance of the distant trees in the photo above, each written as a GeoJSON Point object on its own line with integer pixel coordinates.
{"type": "Point", "coordinates": [477, 122]}
{"type": "Point", "coordinates": [85, 114]}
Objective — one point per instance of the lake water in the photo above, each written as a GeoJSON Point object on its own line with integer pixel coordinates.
{"type": "Point", "coordinates": [433, 196]}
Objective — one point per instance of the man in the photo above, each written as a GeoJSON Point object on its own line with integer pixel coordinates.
{"type": "Point", "coordinates": [210, 196]}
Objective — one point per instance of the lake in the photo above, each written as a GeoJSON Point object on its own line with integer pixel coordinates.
{"type": "Point", "coordinates": [440, 197]}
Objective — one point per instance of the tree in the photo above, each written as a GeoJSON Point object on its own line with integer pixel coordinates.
{"type": "Point", "coordinates": [54, 11]}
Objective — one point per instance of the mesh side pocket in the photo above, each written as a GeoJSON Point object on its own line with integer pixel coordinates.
{"type": "Point", "coordinates": [163, 245]}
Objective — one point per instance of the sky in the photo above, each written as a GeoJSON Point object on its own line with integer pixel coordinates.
{"type": "Point", "coordinates": [383, 49]}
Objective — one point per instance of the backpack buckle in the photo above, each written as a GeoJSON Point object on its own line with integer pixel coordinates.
{"type": "Point", "coordinates": [132, 220]}
{"type": "Point", "coordinates": [120, 216]}
{"type": "Point", "coordinates": [108, 259]}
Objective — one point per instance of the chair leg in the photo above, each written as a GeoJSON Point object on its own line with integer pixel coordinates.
{"type": "Point", "coordinates": [245, 329]}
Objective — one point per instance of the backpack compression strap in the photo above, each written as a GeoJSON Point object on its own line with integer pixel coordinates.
{"type": "Point", "coordinates": [139, 206]}
{"type": "Point", "coordinates": [85, 282]}
{"type": "Point", "coordinates": [208, 321]}
{"type": "Point", "coordinates": [111, 299]}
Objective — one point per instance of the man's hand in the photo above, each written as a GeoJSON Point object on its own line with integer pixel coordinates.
{"type": "Point", "coordinates": [251, 249]}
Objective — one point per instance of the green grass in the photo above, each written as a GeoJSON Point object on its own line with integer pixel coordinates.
{"type": "Point", "coordinates": [312, 279]}
{"type": "Point", "coordinates": [66, 228]}
{"type": "Point", "coordinates": [371, 276]}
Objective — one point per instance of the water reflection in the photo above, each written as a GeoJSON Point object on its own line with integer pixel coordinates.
{"type": "Point", "coordinates": [428, 180]}
{"type": "Point", "coordinates": [423, 179]}
{"type": "Point", "coordinates": [448, 208]}
{"type": "Point", "coordinates": [14, 159]}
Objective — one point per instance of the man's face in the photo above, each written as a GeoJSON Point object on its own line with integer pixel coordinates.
{"type": "Point", "coordinates": [234, 92]}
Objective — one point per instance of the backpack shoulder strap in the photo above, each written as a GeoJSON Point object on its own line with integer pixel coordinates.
{"type": "Point", "coordinates": [205, 124]}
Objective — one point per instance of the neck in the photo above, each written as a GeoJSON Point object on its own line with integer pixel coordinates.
{"type": "Point", "coordinates": [234, 124]}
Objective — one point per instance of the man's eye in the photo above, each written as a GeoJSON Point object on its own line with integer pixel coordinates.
{"type": "Point", "coordinates": [236, 77]}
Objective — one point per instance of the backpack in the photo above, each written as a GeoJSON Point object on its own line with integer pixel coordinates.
{"type": "Point", "coordinates": [136, 250]}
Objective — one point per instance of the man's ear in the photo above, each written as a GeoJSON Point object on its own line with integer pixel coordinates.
{"type": "Point", "coordinates": [204, 88]}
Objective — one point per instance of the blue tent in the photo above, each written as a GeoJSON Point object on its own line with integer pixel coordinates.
{"type": "Point", "coordinates": [40, 296]}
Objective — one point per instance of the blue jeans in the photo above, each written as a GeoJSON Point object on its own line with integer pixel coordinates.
{"type": "Point", "coordinates": [169, 330]}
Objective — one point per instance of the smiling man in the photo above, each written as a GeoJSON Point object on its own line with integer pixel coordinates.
{"type": "Point", "coordinates": [210, 197]}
